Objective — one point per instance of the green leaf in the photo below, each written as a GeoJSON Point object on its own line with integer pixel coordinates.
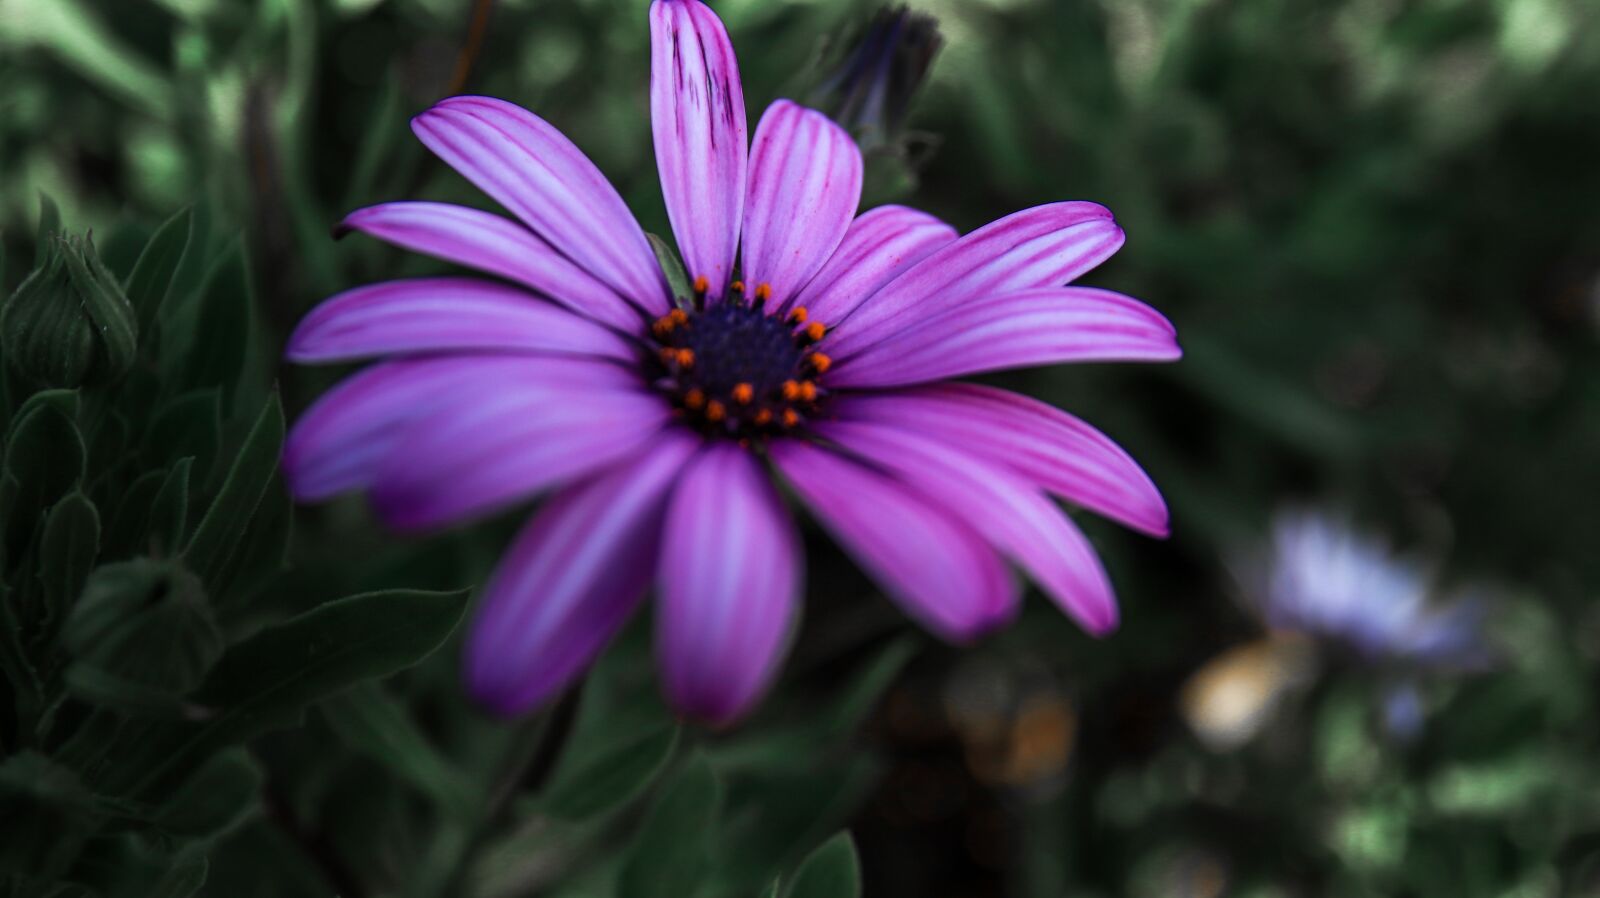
{"type": "Point", "coordinates": [44, 460]}
{"type": "Point", "coordinates": [219, 533]}
{"type": "Point", "coordinates": [606, 780]}
{"type": "Point", "coordinates": [673, 849]}
{"type": "Point", "coordinates": [188, 426]}
{"type": "Point", "coordinates": [267, 681]}
{"type": "Point", "coordinates": [70, 543]}
{"type": "Point", "coordinates": [49, 224]}
{"type": "Point", "coordinates": [868, 686]}
{"type": "Point", "coordinates": [832, 871]}
{"type": "Point", "coordinates": [371, 722]}
{"type": "Point", "coordinates": [125, 535]}
{"type": "Point", "coordinates": [169, 510]}
{"type": "Point", "coordinates": [216, 799]}
{"type": "Point", "coordinates": [222, 331]}
{"type": "Point", "coordinates": [677, 278]}
{"type": "Point", "coordinates": [263, 550]}
{"type": "Point", "coordinates": [152, 276]}
{"type": "Point", "coordinates": [182, 881]}
{"type": "Point", "coordinates": [14, 662]}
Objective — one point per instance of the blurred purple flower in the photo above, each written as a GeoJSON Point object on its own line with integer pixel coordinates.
{"type": "Point", "coordinates": [1323, 578]}
{"type": "Point", "coordinates": [656, 419]}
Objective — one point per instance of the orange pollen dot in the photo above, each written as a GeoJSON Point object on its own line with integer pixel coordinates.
{"type": "Point", "coordinates": [715, 411]}
{"type": "Point", "coordinates": [791, 390]}
{"type": "Point", "coordinates": [815, 331]}
{"type": "Point", "coordinates": [820, 363]}
{"type": "Point", "coordinates": [743, 393]}
{"type": "Point", "coordinates": [764, 292]}
{"type": "Point", "coordinates": [808, 391]}
{"type": "Point", "coordinates": [702, 284]}
{"type": "Point", "coordinates": [790, 417]}
{"type": "Point", "coordinates": [694, 400]}
{"type": "Point", "coordinates": [764, 417]}
{"type": "Point", "coordinates": [799, 315]}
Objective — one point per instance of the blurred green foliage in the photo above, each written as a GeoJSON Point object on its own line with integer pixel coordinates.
{"type": "Point", "coordinates": [1376, 224]}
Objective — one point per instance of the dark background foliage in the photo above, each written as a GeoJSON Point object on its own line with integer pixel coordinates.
{"type": "Point", "coordinates": [1374, 223]}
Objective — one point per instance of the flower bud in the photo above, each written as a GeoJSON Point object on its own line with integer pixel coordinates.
{"type": "Point", "coordinates": [69, 324]}
{"type": "Point", "coordinates": [870, 89]}
{"type": "Point", "coordinates": [141, 629]}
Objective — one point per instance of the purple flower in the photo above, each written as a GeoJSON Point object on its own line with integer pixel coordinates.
{"type": "Point", "coordinates": [658, 423]}
{"type": "Point", "coordinates": [1322, 577]}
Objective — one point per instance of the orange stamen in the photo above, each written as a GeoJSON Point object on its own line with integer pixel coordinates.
{"type": "Point", "coordinates": [820, 363]}
{"type": "Point", "coordinates": [791, 390]}
{"type": "Point", "coordinates": [763, 292]}
{"type": "Point", "coordinates": [738, 286]}
{"type": "Point", "coordinates": [764, 417]}
{"type": "Point", "coordinates": [702, 284]}
{"type": "Point", "coordinates": [678, 317]}
{"type": "Point", "coordinates": [715, 411]}
{"type": "Point", "coordinates": [815, 331]}
{"type": "Point", "coordinates": [808, 391]}
{"type": "Point", "coordinates": [694, 400]}
{"type": "Point", "coordinates": [743, 393]}
{"type": "Point", "coordinates": [790, 417]}
{"type": "Point", "coordinates": [686, 358]}
{"type": "Point", "coordinates": [799, 315]}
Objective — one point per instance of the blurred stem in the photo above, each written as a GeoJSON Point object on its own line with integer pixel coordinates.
{"type": "Point", "coordinates": [316, 845]}
{"type": "Point", "coordinates": [468, 58]}
{"type": "Point", "coordinates": [528, 763]}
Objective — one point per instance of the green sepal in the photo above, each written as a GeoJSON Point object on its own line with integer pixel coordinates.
{"type": "Point", "coordinates": [677, 278]}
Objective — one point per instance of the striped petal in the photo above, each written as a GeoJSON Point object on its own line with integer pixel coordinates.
{"type": "Point", "coordinates": [1016, 518]}
{"type": "Point", "coordinates": [533, 170]}
{"type": "Point", "coordinates": [1045, 246]}
{"type": "Point", "coordinates": [340, 441]}
{"type": "Point", "coordinates": [729, 585]}
{"type": "Point", "coordinates": [697, 116]}
{"type": "Point", "coordinates": [569, 582]}
{"type": "Point", "coordinates": [1018, 330]}
{"type": "Point", "coordinates": [1045, 445]}
{"type": "Point", "coordinates": [508, 443]}
{"type": "Point", "coordinates": [939, 570]}
{"type": "Point", "coordinates": [879, 245]}
{"type": "Point", "coordinates": [805, 184]}
{"type": "Point", "coordinates": [446, 315]}
{"type": "Point", "coordinates": [497, 246]}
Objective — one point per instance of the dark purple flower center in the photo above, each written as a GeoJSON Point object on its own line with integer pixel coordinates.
{"type": "Point", "coordinates": [734, 369]}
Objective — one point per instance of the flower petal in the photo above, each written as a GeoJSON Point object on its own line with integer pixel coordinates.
{"type": "Point", "coordinates": [569, 581]}
{"type": "Point", "coordinates": [697, 116]}
{"type": "Point", "coordinates": [340, 441]}
{"type": "Point", "coordinates": [1045, 246]}
{"type": "Point", "coordinates": [495, 449]}
{"type": "Point", "coordinates": [729, 585]}
{"type": "Point", "coordinates": [533, 170]}
{"type": "Point", "coordinates": [445, 315]}
{"type": "Point", "coordinates": [805, 184]}
{"type": "Point", "coordinates": [999, 504]}
{"type": "Point", "coordinates": [1018, 330]}
{"type": "Point", "coordinates": [498, 246]}
{"type": "Point", "coordinates": [939, 570]}
{"type": "Point", "coordinates": [1042, 443]}
{"type": "Point", "coordinates": [879, 245]}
